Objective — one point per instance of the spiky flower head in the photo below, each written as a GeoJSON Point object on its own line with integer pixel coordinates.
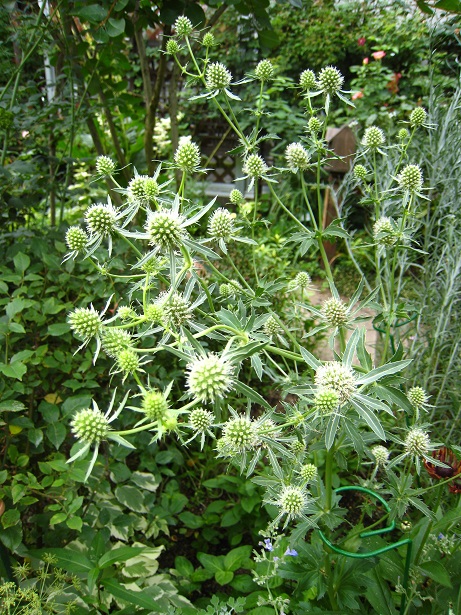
{"type": "Point", "coordinates": [165, 229]}
{"type": "Point", "coordinates": [335, 312]}
{"type": "Point", "coordinates": [384, 232]}
{"type": "Point", "coordinates": [128, 361]}
{"type": "Point", "coordinates": [76, 238]}
{"type": "Point", "coordinates": [297, 157]}
{"type": "Point", "coordinates": [183, 26]}
{"type": "Point", "coordinates": [136, 190]}
{"type": "Point", "coordinates": [272, 327]}
{"type": "Point", "coordinates": [221, 224]}
{"type": "Point", "coordinates": [236, 197]}
{"type": "Point", "coordinates": [264, 70]}
{"type": "Point", "coordinates": [330, 80]}
{"type": "Point", "coordinates": [90, 425]}
{"type": "Point", "coordinates": [403, 134]}
{"type": "Point", "coordinates": [254, 166]}
{"type": "Point", "coordinates": [126, 312]}
{"type": "Point", "coordinates": [218, 77]}
{"type": "Point", "coordinates": [187, 156]}
{"type": "Point", "coordinates": [417, 442]}
{"type": "Point", "coordinates": [308, 472]}
{"type": "Point", "coordinates": [373, 137]}
{"type": "Point", "coordinates": [101, 219]}
{"type": "Point", "coordinates": [267, 428]}
{"type": "Point", "coordinates": [417, 397]}
{"type": "Point", "coordinates": [201, 419]}
{"type": "Point", "coordinates": [411, 178]}
{"type": "Point", "coordinates": [326, 400]}
{"type": "Point", "coordinates": [114, 340]}
{"type": "Point", "coordinates": [298, 447]}
{"type": "Point", "coordinates": [336, 376]}
{"type": "Point", "coordinates": [172, 47]}
{"type": "Point", "coordinates": [303, 279]}
{"type": "Point", "coordinates": [209, 377]}
{"type": "Point", "coordinates": [86, 322]}
{"type": "Point", "coordinates": [307, 80]}
{"type": "Point", "coordinates": [292, 501]}
{"type": "Point", "coordinates": [105, 165]}
{"type": "Point", "coordinates": [154, 404]}
{"type": "Point", "coordinates": [225, 290]}
{"type": "Point", "coordinates": [360, 172]}
{"type": "Point", "coordinates": [381, 455]}
{"type": "Point", "coordinates": [418, 116]}
{"type": "Point", "coordinates": [151, 188]}
{"type": "Point", "coordinates": [208, 40]}
{"type": "Point", "coordinates": [314, 125]}
{"type": "Point", "coordinates": [154, 312]}
{"type": "Point", "coordinates": [240, 433]}
{"type": "Point", "coordinates": [177, 309]}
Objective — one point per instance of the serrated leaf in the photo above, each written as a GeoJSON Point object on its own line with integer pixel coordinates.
{"type": "Point", "coordinates": [383, 370]}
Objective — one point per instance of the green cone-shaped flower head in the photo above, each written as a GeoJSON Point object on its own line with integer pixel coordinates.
{"type": "Point", "coordinates": [218, 77]}
{"type": "Point", "coordinates": [154, 404]}
{"type": "Point", "coordinates": [330, 80]}
{"type": "Point", "coordinates": [90, 425]}
{"type": "Point", "coordinates": [209, 377]}
{"type": "Point", "coordinates": [221, 224]}
{"type": "Point", "coordinates": [264, 70]}
{"type": "Point", "coordinates": [105, 165]}
{"type": "Point", "coordinates": [86, 322]}
{"type": "Point", "coordinates": [76, 238]}
{"type": "Point", "coordinates": [336, 376]}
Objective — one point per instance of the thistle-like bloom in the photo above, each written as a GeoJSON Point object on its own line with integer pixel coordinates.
{"type": "Point", "coordinates": [292, 501]}
{"type": "Point", "coordinates": [126, 312]}
{"type": "Point", "coordinates": [85, 322]}
{"type": "Point", "coordinates": [187, 155]}
{"type": "Point", "coordinates": [208, 40]}
{"type": "Point", "coordinates": [90, 426]}
{"type": "Point", "coordinates": [209, 377]}
{"type": "Point", "coordinates": [418, 117]}
{"type": "Point", "coordinates": [417, 442]}
{"type": "Point", "coordinates": [255, 166]}
{"type": "Point", "coordinates": [137, 190]}
{"type": "Point", "coordinates": [381, 455]}
{"type": "Point", "coordinates": [240, 433]}
{"type": "Point", "coordinates": [101, 219]}
{"type": "Point", "coordinates": [176, 308]}
{"type": "Point", "coordinates": [201, 420]}
{"type": "Point", "coordinates": [417, 397]}
{"type": "Point", "coordinates": [154, 404]}
{"type": "Point", "coordinates": [297, 157]}
{"type": "Point", "coordinates": [298, 447]}
{"type": "Point", "coordinates": [221, 224]}
{"type": "Point", "coordinates": [326, 400]}
{"type": "Point", "coordinates": [360, 172]}
{"type": "Point", "coordinates": [236, 197]}
{"type": "Point", "coordinates": [307, 80]}
{"type": "Point", "coordinates": [272, 327]}
{"type": "Point", "coordinates": [308, 472]}
{"type": "Point", "coordinates": [128, 361]}
{"type": "Point", "coordinates": [183, 26]}
{"type": "Point", "coordinates": [302, 280]}
{"type": "Point", "coordinates": [336, 376]}
{"type": "Point", "coordinates": [411, 178]}
{"type": "Point", "coordinates": [403, 134]}
{"type": "Point", "coordinates": [76, 240]}
{"type": "Point", "coordinates": [373, 137]}
{"type": "Point", "coordinates": [218, 77]}
{"type": "Point", "coordinates": [330, 80]}
{"type": "Point", "coordinates": [172, 47]}
{"type": "Point", "coordinates": [114, 340]}
{"type": "Point", "coordinates": [385, 232]}
{"type": "Point", "coordinates": [165, 229]}
{"type": "Point", "coordinates": [335, 312]}
{"type": "Point", "coordinates": [154, 313]}
{"type": "Point", "coordinates": [105, 165]}
{"type": "Point", "coordinates": [314, 125]}
{"type": "Point", "coordinates": [264, 71]}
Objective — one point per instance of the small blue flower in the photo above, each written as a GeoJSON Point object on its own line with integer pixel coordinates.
{"type": "Point", "coordinates": [440, 536]}
{"type": "Point", "coordinates": [268, 544]}
{"type": "Point", "coordinates": [291, 552]}
{"type": "Point", "coordinates": [276, 559]}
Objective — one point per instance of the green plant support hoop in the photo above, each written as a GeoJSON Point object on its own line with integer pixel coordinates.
{"type": "Point", "coordinates": [365, 534]}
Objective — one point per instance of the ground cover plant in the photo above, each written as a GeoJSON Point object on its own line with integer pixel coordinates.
{"type": "Point", "coordinates": [217, 462]}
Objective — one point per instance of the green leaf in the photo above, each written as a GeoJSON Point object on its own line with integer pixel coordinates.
{"type": "Point", "coordinates": [115, 27]}
{"type": "Point", "coordinates": [94, 13]}
{"type": "Point", "coordinates": [453, 6]}
{"type": "Point", "coordinates": [368, 416]}
{"type": "Point", "coordinates": [437, 572]}
{"type": "Point", "coordinates": [145, 480]}
{"type": "Point", "coordinates": [68, 559]}
{"type": "Point", "coordinates": [58, 329]}
{"type": "Point", "coordinates": [332, 428]}
{"type": "Point", "coordinates": [116, 556]}
{"type": "Point", "coordinates": [268, 38]}
{"type": "Point", "coordinates": [310, 359]}
{"type": "Point", "coordinates": [58, 518]}
{"type": "Point", "coordinates": [384, 370]}
{"type": "Point", "coordinates": [183, 566]}
{"type": "Point", "coordinates": [237, 557]}
{"type": "Point", "coordinates": [15, 370]}
{"type": "Point", "coordinates": [11, 537]}
{"type": "Point", "coordinates": [75, 523]}
{"type": "Point", "coordinates": [190, 520]}
{"type": "Point", "coordinates": [138, 598]}
{"type": "Point", "coordinates": [15, 307]}
{"type": "Point", "coordinates": [130, 497]}
{"type": "Point", "coordinates": [11, 405]}
{"type": "Point", "coordinates": [10, 517]}
{"type": "Point", "coordinates": [223, 577]}
{"type": "Point", "coordinates": [21, 262]}
{"type": "Point", "coordinates": [211, 562]}
{"type": "Point", "coordinates": [378, 594]}
{"type": "Point", "coordinates": [424, 7]}
{"type": "Point", "coordinates": [249, 393]}
{"type": "Point", "coordinates": [56, 434]}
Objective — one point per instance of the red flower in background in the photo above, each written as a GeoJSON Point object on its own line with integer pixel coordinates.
{"type": "Point", "coordinates": [378, 55]}
{"type": "Point", "coordinates": [361, 41]}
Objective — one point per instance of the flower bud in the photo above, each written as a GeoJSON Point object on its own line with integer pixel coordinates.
{"type": "Point", "coordinates": [209, 377]}
{"type": "Point", "coordinates": [105, 165]}
{"type": "Point", "coordinates": [183, 26]}
{"type": "Point", "coordinates": [307, 80]}
{"type": "Point", "coordinates": [381, 455]}
{"type": "Point", "coordinates": [417, 397]}
{"type": "Point", "coordinates": [221, 224]}
{"type": "Point", "coordinates": [264, 70]}
{"type": "Point", "coordinates": [76, 238]}
{"type": "Point", "coordinates": [292, 501]}
{"type": "Point", "coordinates": [297, 157]}
{"type": "Point", "coordinates": [335, 312]}
{"type": "Point", "coordinates": [417, 442]}
{"type": "Point", "coordinates": [86, 322]}
{"type": "Point", "coordinates": [201, 419]}
{"type": "Point", "coordinates": [314, 125]}
{"type": "Point", "coordinates": [218, 77]}
{"type": "Point", "coordinates": [113, 341]}
{"type": "Point", "coordinates": [373, 137]}
{"type": "Point", "coordinates": [255, 166]}
{"type": "Point", "coordinates": [154, 404]}
{"type": "Point", "coordinates": [90, 425]}
{"type": "Point", "coordinates": [208, 40]}
{"type": "Point", "coordinates": [187, 156]}
{"type": "Point", "coordinates": [101, 219]}
{"type": "Point", "coordinates": [236, 197]}
{"type": "Point", "coordinates": [128, 361]}
{"type": "Point", "coordinates": [308, 472]}
{"type": "Point", "coordinates": [411, 178]}
{"type": "Point", "coordinates": [172, 47]}
{"type": "Point", "coordinates": [418, 116]}
{"type": "Point", "coordinates": [330, 80]}
{"type": "Point", "coordinates": [360, 172]}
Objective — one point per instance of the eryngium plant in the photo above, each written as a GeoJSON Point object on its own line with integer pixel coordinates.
{"type": "Point", "coordinates": [227, 333]}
